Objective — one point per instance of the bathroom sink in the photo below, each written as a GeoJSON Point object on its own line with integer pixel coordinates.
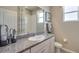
{"type": "Point", "coordinates": [37, 38]}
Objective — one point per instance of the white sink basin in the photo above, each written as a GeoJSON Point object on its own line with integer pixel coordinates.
{"type": "Point", "coordinates": [37, 38]}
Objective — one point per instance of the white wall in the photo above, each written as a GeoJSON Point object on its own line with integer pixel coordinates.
{"type": "Point", "coordinates": [68, 30]}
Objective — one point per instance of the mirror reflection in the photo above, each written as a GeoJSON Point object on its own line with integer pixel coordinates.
{"type": "Point", "coordinates": [24, 19]}
{"type": "Point", "coordinates": [30, 20]}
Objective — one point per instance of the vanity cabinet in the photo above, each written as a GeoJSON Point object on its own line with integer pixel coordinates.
{"type": "Point", "coordinates": [40, 48]}
{"type": "Point", "coordinates": [44, 47]}
{"type": "Point", "coordinates": [52, 46]}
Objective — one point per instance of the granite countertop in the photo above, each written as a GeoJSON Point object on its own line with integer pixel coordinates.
{"type": "Point", "coordinates": [22, 44]}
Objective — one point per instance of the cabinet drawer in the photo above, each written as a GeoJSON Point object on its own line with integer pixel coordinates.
{"type": "Point", "coordinates": [45, 49]}
{"type": "Point", "coordinates": [52, 46]}
{"type": "Point", "coordinates": [39, 47]}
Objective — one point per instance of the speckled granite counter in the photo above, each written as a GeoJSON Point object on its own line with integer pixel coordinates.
{"type": "Point", "coordinates": [22, 44]}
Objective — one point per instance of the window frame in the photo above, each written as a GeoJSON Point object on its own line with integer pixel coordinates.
{"type": "Point", "coordinates": [38, 17]}
{"type": "Point", "coordinates": [70, 13]}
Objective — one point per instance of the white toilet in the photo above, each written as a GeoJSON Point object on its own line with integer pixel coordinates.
{"type": "Point", "coordinates": [58, 47]}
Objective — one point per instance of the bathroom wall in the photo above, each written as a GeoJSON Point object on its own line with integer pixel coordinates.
{"type": "Point", "coordinates": [65, 30]}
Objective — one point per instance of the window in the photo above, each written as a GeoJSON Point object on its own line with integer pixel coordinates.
{"type": "Point", "coordinates": [71, 13]}
{"type": "Point", "coordinates": [47, 16]}
{"type": "Point", "coordinates": [40, 17]}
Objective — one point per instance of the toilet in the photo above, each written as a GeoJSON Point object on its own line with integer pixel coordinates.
{"type": "Point", "coordinates": [58, 47]}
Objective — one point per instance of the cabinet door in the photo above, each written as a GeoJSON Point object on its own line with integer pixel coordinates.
{"type": "Point", "coordinates": [49, 47]}
{"type": "Point", "coordinates": [41, 48]}
{"type": "Point", "coordinates": [45, 49]}
{"type": "Point", "coordinates": [37, 48]}
{"type": "Point", "coordinates": [27, 51]}
{"type": "Point", "coordinates": [52, 46]}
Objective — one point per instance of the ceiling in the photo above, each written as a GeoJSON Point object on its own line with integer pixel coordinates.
{"type": "Point", "coordinates": [14, 8]}
{"type": "Point", "coordinates": [32, 7]}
